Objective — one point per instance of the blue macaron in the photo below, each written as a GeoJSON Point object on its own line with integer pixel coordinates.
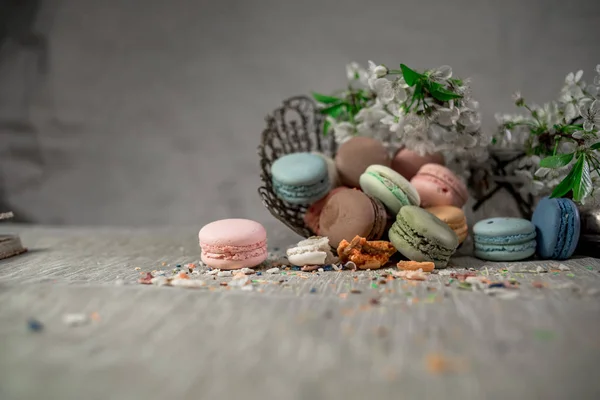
{"type": "Point", "coordinates": [504, 239]}
{"type": "Point", "coordinates": [300, 178]}
{"type": "Point", "coordinates": [557, 224]}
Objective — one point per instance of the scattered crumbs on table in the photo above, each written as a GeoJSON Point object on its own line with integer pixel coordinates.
{"type": "Point", "coordinates": [223, 284]}
{"type": "Point", "coordinates": [272, 270]}
{"type": "Point", "coordinates": [539, 269]}
{"type": "Point", "coordinates": [75, 319]}
{"type": "Point", "coordinates": [563, 267]}
{"type": "Point", "coordinates": [374, 302]}
{"type": "Point", "coordinates": [537, 284]}
{"type": "Point", "coordinates": [224, 273]}
{"type": "Point", "coordinates": [543, 334]}
{"type": "Point", "coordinates": [34, 325]}
{"type": "Point", "coordinates": [438, 363]}
{"type": "Point", "coordinates": [95, 316]}
{"type": "Point", "coordinates": [374, 285]}
{"type": "Point", "coordinates": [138, 269]}
{"type": "Point", "coordinates": [258, 273]}
{"type": "Point", "coordinates": [355, 291]}
{"type": "Point", "coordinates": [313, 290]}
{"type": "Point", "coordinates": [570, 275]}
{"type": "Point", "coordinates": [590, 268]}
{"type": "Point", "coordinates": [213, 271]}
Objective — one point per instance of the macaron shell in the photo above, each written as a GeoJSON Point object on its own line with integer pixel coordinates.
{"type": "Point", "coordinates": [454, 217]}
{"type": "Point", "coordinates": [557, 223]}
{"type": "Point", "coordinates": [334, 176]}
{"type": "Point", "coordinates": [299, 169]}
{"type": "Point", "coordinates": [312, 215]}
{"type": "Point", "coordinates": [233, 243]}
{"type": "Point", "coordinates": [232, 232]}
{"type": "Point", "coordinates": [421, 236]}
{"type": "Point", "coordinates": [347, 214]}
{"type": "Point", "coordinates": [407, 162]}
{"type": "Point", "coordinates": [388, 186]}
{"type": "Point", "coordinates": [355, 155]}
{"type": "Point", "coordinates": [437, 185]}
{"type": "Point", "coordinates": [498, 231]}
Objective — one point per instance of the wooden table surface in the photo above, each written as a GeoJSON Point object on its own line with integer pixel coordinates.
{"type": "Point", "coordinates": [347, 335]}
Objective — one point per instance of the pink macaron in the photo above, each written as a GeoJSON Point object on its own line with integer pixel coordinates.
{"type": "Point", "coordinates": [233, 244]}
{"type": "Point", "coordinates": [438, 186]}
{"type": "Point", "coordinates": [407, 162]}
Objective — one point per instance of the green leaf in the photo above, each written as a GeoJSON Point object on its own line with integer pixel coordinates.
{"type": "Point", "coordinates": [411, 77]}
{"type": "Point", "coordinates": [595, 146]}
{"type": "Point", "coordinates": [557, 161]}
{"type": "Point", "coordinates": [334, 110]}
{"type": "Point", "coordinates": [443, 94]}
{"type": "Point", "coordinates": [565, 186]}
{"type": "Point", "coordinates": [321, 98]}
{"type": "Point", "coordinates": [582, 186]}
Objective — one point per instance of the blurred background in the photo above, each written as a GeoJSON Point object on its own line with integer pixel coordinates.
{"type": "Point", "coordinates": [149, 112]}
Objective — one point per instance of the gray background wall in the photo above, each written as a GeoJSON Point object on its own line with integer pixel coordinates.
{"type": "Point", "coordinates": [146, 112]}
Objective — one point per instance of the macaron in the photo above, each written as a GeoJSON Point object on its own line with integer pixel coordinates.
{"type": "Point", "coordinates": [438, 186]}
{"type": "Point", "coordinates": [454, 217]}
{"type": "Point", "coordinates": [407, 162]}
{"type": "Point", "coordinates": [388, 186]}
{"type": "Point", "coordinates": [233, 244]}
{"type": "Point", "coordinates": [334, 176]}
{"type": "Point", "coordinates": [355, 155]}
{"type": "Point", "coordinates": [312, 251]}
{"type": "Point", "coordinates": [313, 214]}
{"type": "Point", "coordinates": [351, 213]}
{"type": "Point", "coordinates": [300, 178]}
{"type": "Point", "coordinates": [558, 225]}
{"type": "Point", "coordinates": [421, 236]}
{"type": "Point", "coordinates": [504, 239]}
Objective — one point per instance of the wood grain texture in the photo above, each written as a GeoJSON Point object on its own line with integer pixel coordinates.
{"type": "Point", "coordinates": [308, 337]}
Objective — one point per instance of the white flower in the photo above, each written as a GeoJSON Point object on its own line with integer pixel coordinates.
{"type": "Point", "coordinates": [376, 71]}
{"type": "Point", "coordinates": [470, 120]}
{"type": "Point", "coordinates": [591, 116]}
{"type": "Point", "coordinates": [578, 134]}
{"type": "Point", "coordinates": [517, 97]}
{"type": "Point", "coordinates": [447, 116]}
{"type": "Point", "coordinates": [394, 118]}
{"type": "Point", "coordinates": [384, 90]}
{"type": "Point", "coordinates": [354, 72]}
{"type": "Point", "coordinates": [371, 114]}
{"type": "Point", "coordinates": [342, 131]}
{"type": "Point", "coordinates": [573, 79]}
{"type": "Point", "coordinates": [442, 73]}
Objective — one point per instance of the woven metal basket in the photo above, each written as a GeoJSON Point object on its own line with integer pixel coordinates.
{"type": "Point", "coordinates": [294, 127]}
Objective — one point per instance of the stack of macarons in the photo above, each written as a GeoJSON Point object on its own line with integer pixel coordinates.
{"type": "Point", "coordinates": [361, 191]}
{"type": "Point", "coordinates": [364, 190]}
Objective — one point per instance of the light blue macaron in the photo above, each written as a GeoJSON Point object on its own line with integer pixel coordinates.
{"type": "Point", "coordinates": [504, 239]}
{"type": "Point", "coordinates": [557, 225]}
{"type": "Point", "coordinates": [300, 178]}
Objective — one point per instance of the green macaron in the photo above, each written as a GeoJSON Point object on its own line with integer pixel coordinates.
{"type": "Point", "coordinates": [388, 186]}
{"type": "Point", "coordinates": [421, 236]}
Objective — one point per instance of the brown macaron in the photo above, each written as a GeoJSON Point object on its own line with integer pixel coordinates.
{"type": "Point", "coordinates": [407, 162]}
{"type": "Point", "coordinates": [351, 213]}
{"type": "Point", "coordinates": [355, 155]}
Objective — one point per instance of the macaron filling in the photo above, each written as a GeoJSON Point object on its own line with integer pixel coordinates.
{"type": "Point", "coordinates": [420, 242]}
{"type": "Point", "coordinates": [511, 248]}
{"type": "Point", "coordinates": [504, 239]}
{"type": "Point", "coordinates": [315, 190]}
{"type": "Point", "coordinates": [393, 188]}
{"type": "Point", "coordinates": [235, 253]}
